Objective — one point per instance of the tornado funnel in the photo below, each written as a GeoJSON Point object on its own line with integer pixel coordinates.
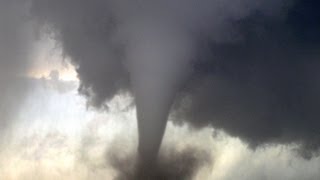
{"type": "Point", "coordinates": [159, 63]}
{"type": "Point", "coordinates": [152, 113]}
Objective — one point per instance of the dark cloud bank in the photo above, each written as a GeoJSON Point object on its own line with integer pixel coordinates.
{"type": "Point", "coordinates": [247, 67]}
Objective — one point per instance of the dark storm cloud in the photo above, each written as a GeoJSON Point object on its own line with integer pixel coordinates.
{"type": "Point", "coordinates": [85, 32]}
{"type": "Point", "coordinates": [15, 37]}
{"type": "Point", "coordinates": [94, 33]}
{"type": "Point", "coordinates": [266, 88]}
{"type": "Point", "coordinates": [255, 63]}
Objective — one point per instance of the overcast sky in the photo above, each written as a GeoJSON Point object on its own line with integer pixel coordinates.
{"type": "Point", "coordinates": [239, 81]}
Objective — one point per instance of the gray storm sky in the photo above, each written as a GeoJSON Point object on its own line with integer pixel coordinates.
{"type": "Point", "coordinates": [242, 77]}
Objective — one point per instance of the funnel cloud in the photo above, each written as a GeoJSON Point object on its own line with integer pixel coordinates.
{"type": "Point", "coordinates": [247, 67]}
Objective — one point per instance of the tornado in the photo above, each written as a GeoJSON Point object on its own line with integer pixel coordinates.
{"type": "Point", "coordinates": [159, 64]}
{"type": "Point", "coordinates": [147, 48]}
